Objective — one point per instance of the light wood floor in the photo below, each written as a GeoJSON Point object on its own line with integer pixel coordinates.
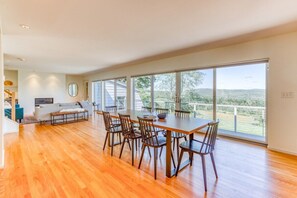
{"type": "Point", "coordinates": [68, 161]}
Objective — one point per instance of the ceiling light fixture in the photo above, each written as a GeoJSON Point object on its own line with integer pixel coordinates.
{"type": "Point", "coordinates": [24, 26]}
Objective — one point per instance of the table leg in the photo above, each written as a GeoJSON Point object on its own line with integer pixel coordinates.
{"type": "Point", "coordinates": [168, 154]}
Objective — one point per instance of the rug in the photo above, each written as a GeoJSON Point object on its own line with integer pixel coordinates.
{"type": "Point", "coordinates": [29, 119]}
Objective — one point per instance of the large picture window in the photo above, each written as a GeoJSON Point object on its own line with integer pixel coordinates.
{"type": "Point", "coordinates": [234, 95]}
{"type": "Point", "coordinates": [110, 93]}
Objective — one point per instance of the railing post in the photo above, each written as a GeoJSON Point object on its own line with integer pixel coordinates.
{"type": "Point", "coordinates": [263, 121]}
{"type": "Point", "coordinates": [235, 118]}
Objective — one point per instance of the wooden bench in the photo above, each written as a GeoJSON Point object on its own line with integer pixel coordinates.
{"type": "Point", "coordinates": [63, 117]}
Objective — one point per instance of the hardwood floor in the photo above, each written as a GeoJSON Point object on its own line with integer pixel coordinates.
{"type": "Point", "coordinates": [68, 161]}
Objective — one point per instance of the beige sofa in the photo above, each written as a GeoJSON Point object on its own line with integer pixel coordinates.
{"type": "Point", "coordinates": [42, 113]}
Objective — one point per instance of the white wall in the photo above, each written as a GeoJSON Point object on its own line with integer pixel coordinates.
{"type": "Point", "coordinates": [40, 85]}
{"type": "Point", "coordinates": [282, 53]}
{"type": "Point", "coordinates": [79, 81]}
{"type": "Point", "coordinates": [33, 85]}
{"type": "Point", "coordinates": [12, 75]}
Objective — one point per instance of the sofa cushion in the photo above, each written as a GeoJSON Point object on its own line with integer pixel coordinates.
{"type": "Point", "coordinates": [50, 106]}
{"type": "Point", "coordinates": [70, 105]}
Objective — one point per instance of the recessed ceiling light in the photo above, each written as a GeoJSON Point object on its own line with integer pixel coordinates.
{"type": "Point", "coordinates": [24, 26]}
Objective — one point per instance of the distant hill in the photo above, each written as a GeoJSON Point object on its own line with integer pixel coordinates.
{"type": "Point", "coordinates": [254, 94]}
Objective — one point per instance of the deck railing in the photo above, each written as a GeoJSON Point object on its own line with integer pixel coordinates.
{"type": "Point", "coordinates": [234, 118]}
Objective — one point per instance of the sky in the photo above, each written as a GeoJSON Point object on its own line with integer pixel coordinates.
{"type": "Point", "coordinates": [238, 77]}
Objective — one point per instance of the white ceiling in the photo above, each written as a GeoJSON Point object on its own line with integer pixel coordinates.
{"type": "Point", "coordinates": [78, 36]}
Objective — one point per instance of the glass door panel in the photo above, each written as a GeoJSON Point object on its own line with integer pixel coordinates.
{"type": "Point", "coordinates": [197, 93]}
{"type": "Point", "coordinates": [97, 94]}
{"type": "Point", "coordinates": [142, 92]}
{"type": "Point", "coordinates": [241, 96]}
{"type": "Point", "coordinates": [121, 93]}
{"type": "Point", "coordinates": [109, 93]}
{"type": "Point", "coordinates": [165, 91]}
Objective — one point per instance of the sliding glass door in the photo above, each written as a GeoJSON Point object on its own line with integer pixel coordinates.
{"type": "Point", "coordinates": [235, 95]}
{"type": "Point", "coordinates": [121, 93]}
{"type": "Point", "coordinates": [142, 92]}
{"type": "Point", "coordinates": [97, 93]}
{"type": "Point", "coordinates": [241, 100]}
{"type": "Point", "coordinates": [109, 92]}
{"type": "Point", "coordinates": [197, 92]}
{"type": "Point", "coordinates": [165, 91]}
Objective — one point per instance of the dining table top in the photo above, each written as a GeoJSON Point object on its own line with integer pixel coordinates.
{"type": "Point", "coordinates": [186, 125]}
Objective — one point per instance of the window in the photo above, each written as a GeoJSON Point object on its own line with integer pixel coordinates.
{"type": "Point", "coordinates": [165, 91]}
{"type": "Point", "coordinates": [121, 93]}
{"type": "Point", "coordinates": [241, 100]}
{"type": "Point", "coordinates": [109, 93]}
{"type": "Point", "coordinates": [97, 93]}
{"type": "Point", "coordinates": [142, 92]}
{"type": "Point", "coordinates": [236, 96]}
{"type": "Point", "coordinates": [197, 92]}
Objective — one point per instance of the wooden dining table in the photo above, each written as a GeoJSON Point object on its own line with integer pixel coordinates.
{"type": "Point", "coordinates": [171, 123]}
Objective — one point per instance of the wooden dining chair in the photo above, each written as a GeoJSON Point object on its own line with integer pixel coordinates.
{"type": "Point", "coordinates": [115, 121]}
{"type": "Point", "coordinates": [150, 138]}
{"type": "Point", "coordinates": [111, 129]}
{"type": "Point", "coordinates": [175, 135]}
{"type": "Point", "coordinates": [129, 133]}
{"type": "Point", "coordinates": [202, 148]}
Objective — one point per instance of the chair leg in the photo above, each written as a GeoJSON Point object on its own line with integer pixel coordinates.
{"type": "Point", "coordinates": [179, 162]}
{"type": "Point", "coordinates": [142, 152]}
{"type": "Point", "coordinates": [173, 144]}
{"type": "Point", "coordinates": [106, 137]}
{"type": "Point", "coordinates": [123, 144]}
{"type": "Point", "coordinates": [136, 144]}
{"type": "Point", "coordinates": [149, 151]}
{"type": "Point", "coordinates": [161, 151]}
{"type": "Point", "coordinates": [129, 144]}
{"type": "Point", "coordinates": [177, 147]}
{"type": "Point", "coordinates": [173, 159]}
{"type": "Point", "coordinates": [112, 143]}
{"type": "Point", "coordinates": [214, 164]}
{"type": "Point", "coordinates": [155, 161]}
{"type": "Point", "coordinates": [132, 152]}
{"type": "Point", "coordinates": [191, 158]}
{"type": "Point", "coordinates": [204, 172]}
{"type": "Point", "coordinates": [120, 137]}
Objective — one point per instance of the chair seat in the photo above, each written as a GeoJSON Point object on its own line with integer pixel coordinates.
{"type": "Point", "coordinates": [194, 146]}
{"type": "Point", "coordinates": [161, 141]}
{"type": "Point", "coordinates": [177, 135]}
{"type": "Point", "coordinates": [116, 129]}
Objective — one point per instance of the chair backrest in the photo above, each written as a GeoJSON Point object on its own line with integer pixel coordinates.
{"type": "Point", "coordinates": [161, 110]}
{"type": "Point", "coordinates": [182, 114]}
{"type": "Point", "coordinates": [149, 109]}
{"type": "Point", "coordinates": [148, 132]}
{"type": "Point", "coordinates": [127, 125]}
{"type": "Point", "coordinates": [210, 137]}
{"type": "Point", "coordinates": [111, 108]}
{"type": "Point", "coordinates": [107, 120]}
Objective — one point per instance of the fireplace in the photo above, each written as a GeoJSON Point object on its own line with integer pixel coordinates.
{"type": "Point", "coordinates": [39, 101]}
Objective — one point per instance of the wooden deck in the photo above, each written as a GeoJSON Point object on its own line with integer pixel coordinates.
{"type": "Point", "coordinates": [68, 161]}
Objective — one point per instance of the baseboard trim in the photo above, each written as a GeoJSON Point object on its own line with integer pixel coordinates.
{"type": "Point", "coordinates": [282, 151]}
{"type": "Point", "coordinates": [2, 159]}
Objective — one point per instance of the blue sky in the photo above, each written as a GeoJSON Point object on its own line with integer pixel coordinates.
{"type": "Point", "coordinates": [238, 77]}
